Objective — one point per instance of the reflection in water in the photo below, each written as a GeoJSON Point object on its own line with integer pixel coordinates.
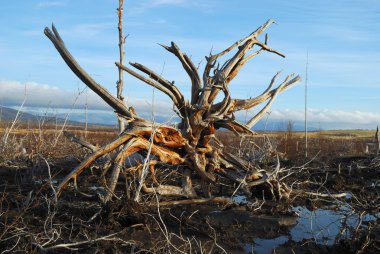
{"type": "Point", "coordinates": [265, 246]}
{"type": "Point", "coordinates": [240, 199]}
{"type": "Point", "coordinates": [326, 226]}
{"type": "Point", "coordinates": [323, 226]}
{"type": "Point", "coordinates": [320, 225]}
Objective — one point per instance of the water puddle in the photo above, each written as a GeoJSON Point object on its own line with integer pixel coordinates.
{"type": "Point", "coordinates": [240, 199]}
{"type": "Point", "coordinates": [325, 226]}
{"type": "Point", "coordinates": [322, 226]}
{"type": "Point", "coordinates": [265, 246]}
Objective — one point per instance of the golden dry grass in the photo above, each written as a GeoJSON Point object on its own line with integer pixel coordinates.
{"type": "Point", "coordinates": [333, 134]}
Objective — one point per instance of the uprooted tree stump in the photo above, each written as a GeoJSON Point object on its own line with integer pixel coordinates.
{"type": "Point", "coordinates": [191, 148]}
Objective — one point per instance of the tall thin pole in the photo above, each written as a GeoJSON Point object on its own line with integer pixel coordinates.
{"type": "Point", "coordinates": [86, 116]}
{"type": "Point", "coordinates": [307, 66]}
{"type": "Point", "coordinates": [120, 82]}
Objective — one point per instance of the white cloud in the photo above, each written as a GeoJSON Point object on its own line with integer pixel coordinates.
{"type": "Point", "coordinates": [12, 93]}
{"type": "Point", "coordinates": [150, 4]}
{"type": "Point", "coordinates": [47, 4]}
{"type": "Point", "coordinates": [167, 2]}
{"type": "Point", "coordinates": [318, 118]}
{"type": "Point", "coordinates": [89, 30]}
{"type": "Point", "coordinates": [327, 116]}
{"type": "Point", "coordinates": [86, 30]}
{"type": "Point", "coordinates": [41, 95]}
{"type": "Point", "coordinates": [344, 33]}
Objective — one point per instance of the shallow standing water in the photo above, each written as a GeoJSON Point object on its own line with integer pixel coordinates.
{"type": "Point", "coordinates": [322, 226]}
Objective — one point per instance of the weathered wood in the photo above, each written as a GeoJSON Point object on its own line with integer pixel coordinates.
{"type": "Point", "coordinates": [90, 159]}
{"type": "Point", "coordinates": [190, 68]}
{"type": "Point", "coordinates": [115, 103]}
{"type": "Point", "coordinates": [188, 146]}
{"type": "Point", "coordinates": [216, 200]}
{"type": "Point", "coordinates": [118, 166]}
{"type": "Point", "coordinates": [226, 72]}
{"type": "Point", "coordinates": [168, 190]}
{"type": "Point", "coordinates": [120, 82]}
{"type": "Point", "coordinates": [160, 84]}
{"type": "Point", "coordinates": [83, 143]}
{"type": "Point", "coordinates": [187, 184]}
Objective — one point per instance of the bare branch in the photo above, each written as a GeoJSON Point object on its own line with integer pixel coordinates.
{"type": "Point", "coordinates": [217, 200]}
{"type": "Point", "coordinates": [220, 110]}
{"type": "Point", "coordinates": [83, 75]}
{"type": "Point", "coordinates": [167, 84]}
{"type": "Point", "coordinates": [189, 67]}
{"type": "Point", "coordinates": [231, 67]}
{"type": "Point", "coordinates": [255, 34]}
{"type": "Point", "coordinates": [83, 143]}
{"type": "Point", "coordinates": [161, 84]}
{"type": "Point", "coordinates": [274, 93]}
{"type": "Point", "coordinates": [249, 103]}
{"type": "Point", "coordinates": [233, 126]}
{"type": "Point", "coordinates": [84, 164]}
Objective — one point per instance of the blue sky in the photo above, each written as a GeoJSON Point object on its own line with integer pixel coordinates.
{"type": "Point", "coordinates": [341, 36]}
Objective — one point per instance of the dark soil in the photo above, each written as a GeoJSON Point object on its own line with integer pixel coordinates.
{"type": "Point", "coordinates": [32, 222]}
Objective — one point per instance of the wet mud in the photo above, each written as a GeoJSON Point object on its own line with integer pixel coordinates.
{"type": "Point", "coordinates": [32, 222]}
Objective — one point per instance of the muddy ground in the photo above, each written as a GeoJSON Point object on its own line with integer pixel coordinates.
{"type": "Point", "coordinates": [32, 221]}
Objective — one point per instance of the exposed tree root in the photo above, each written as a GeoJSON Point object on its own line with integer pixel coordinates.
{"type": "Point", "coordinates": [189, 144]}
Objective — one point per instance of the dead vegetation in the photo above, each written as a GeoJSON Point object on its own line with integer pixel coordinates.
{"type": "Point", "coordinates": [33, 220]}
{"type": "Point", "coordinates": [191, 150]}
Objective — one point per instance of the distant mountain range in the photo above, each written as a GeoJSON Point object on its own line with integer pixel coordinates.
{"type": "Point", "coordinates": [9, 115]}
{"type": "Point", "coordinates": [108, 118]}
{"type": "Point", "coordinates": [264, 125]}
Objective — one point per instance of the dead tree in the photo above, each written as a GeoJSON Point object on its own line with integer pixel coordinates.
{"type": "Point", "coordinates": [192, 145]}
{"type": "Point", "coordinates": [120, 82]}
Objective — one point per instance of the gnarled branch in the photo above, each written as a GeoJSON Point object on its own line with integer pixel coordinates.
{"type": "Point", "coordinates": [232, 66]}
{"type": "Point", "coordinates": [160, 83]}
{"type": "Point", "coordinates": [190, 69]}
{"type": "Point", "coordinates": [115, 103]}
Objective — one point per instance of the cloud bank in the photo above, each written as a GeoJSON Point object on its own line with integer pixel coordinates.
{"type": "Point", "coordinates": [327, 116]}
{"type": "Point", "coordinates": [12, 93]}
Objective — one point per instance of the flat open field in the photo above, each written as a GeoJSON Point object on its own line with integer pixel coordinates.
{"type": "Point", "coordinates": [338, 134]}
{"type": "Point", "coordinates": [332, 203]}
